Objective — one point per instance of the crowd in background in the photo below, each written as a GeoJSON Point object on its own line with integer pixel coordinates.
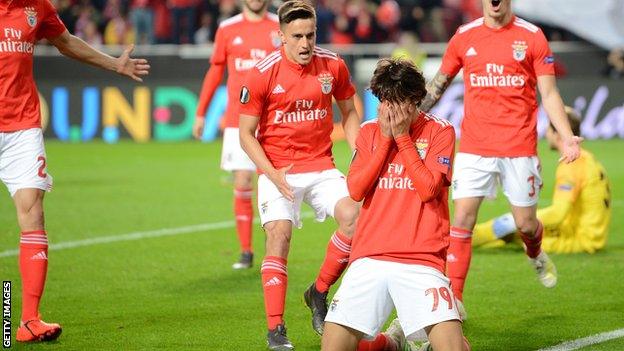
{"type": "Point", "coordinates": [195, 21]}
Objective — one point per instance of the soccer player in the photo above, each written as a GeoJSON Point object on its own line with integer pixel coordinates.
{"type": "Point", "coordinates": [401, 170]}
{"type": "Point", "coordinates": [240, 42]}
{"type": "Point", "coordinates": [23, 163]}
{"type": "Point", "coordinates": [578, 219]}
{"type": "Point", "coordinates": [504, 58]}
{"type": "Point", "coordinates": [288, 95]}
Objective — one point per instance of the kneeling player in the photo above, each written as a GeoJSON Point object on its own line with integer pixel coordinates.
{"type": "Point", "coordinates": [402, 170]}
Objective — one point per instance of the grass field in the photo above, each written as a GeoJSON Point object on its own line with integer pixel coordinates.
{"type": "Point", "coordinates": [177, 292]}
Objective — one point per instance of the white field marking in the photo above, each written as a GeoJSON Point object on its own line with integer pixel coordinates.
{"type": "Point", "coordinates": [140, 235]}
{"type": "Point", "coordinates": [587, 341]}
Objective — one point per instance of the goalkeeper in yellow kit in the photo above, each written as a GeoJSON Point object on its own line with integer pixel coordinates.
{"type": "Point", "coordinates": [578, 219]}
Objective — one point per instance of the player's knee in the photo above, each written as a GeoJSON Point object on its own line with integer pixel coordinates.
{"type": "Point", "coordinates": [526, 225]}
{"type": "Point", "coordinates": [464, 219]}
{"type": "Point", "coordinates": [346, 216]}
{"type": "Point", "coordinates": [277, 233]}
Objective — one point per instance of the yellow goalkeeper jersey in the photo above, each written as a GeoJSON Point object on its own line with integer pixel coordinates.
{"type": "Point", "coordinates": [578, 219]}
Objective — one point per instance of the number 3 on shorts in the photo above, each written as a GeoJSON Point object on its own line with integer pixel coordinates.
{"type": "Point", "coordinates": [531, 181]}
{"type": "Point", "coordinates": [436, 297]}
{"type": "Point", "coordinates": [42, 167]}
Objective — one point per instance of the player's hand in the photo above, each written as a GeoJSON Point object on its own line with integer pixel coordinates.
{"type": "Point", "coordinates": [133, 68]}
{"type": "Point", "coordinates": [198, 127]}
{"type": "Point", "coordinates": [571, 149]}
{"type": "Point", "coordinates": [383, 117]}
{"type": "Point", "coordinates": [279, 179]}
{"type": "Point", "coordinates": [401, 119]}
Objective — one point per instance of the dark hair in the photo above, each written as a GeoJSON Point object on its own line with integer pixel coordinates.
{"type": "Point", "coordinates": [398, 80]}
{"type": "Point", "coordinates": [294, 10]}
{"type": "Point", "coordinates": [574, 119]}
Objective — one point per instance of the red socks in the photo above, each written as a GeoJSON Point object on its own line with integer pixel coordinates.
{"type": "Point", "coordinates": [534, 244]}
{"type": "Point", "coordinates": [336, 260]}
{"type": "Point", "coordinates": [380, 343]}
{"type": "Point", "coordinates": [274, 284]}
{"type": "Point", "coordinates": [458, 259]}
{"type": "Point", "coordinates": [243, 211]}
{"type": "Point", "coordinates": [33, 264]}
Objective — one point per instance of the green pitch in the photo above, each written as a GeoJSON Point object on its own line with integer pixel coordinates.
{"type": "Point", "coordinates": [178, 292]}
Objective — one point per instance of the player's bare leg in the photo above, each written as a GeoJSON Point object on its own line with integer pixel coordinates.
{"type": "Point", "coordinates": [531, 231]}
{"type": "Point", "coordinates": [336, 259]}
{"type": "Point", "coordinates": [243, 213]}
{"type": "Point", "coordinates": [275, 282]}
{"type": "Point", "coordinates": [460, 248]}
{"type": "Point", "coordinates": [340, 338]}
{"type": "Point", "coordinates": [33, 262]}
{"type": "Point", "coordinates": [447, 336]}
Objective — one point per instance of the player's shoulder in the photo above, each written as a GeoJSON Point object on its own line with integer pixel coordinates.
{"type": "Point", "coordinates": [437, 123]}
{"type": "Point", "coordinates": [231, 22]}
{"type": "Point", "coordinates": [325, 54]}
{"type": "Point", "coordinates": [272, 17]}
{"type": "Point", "coordinates": [524, 25]}
{"type": "Point", "coordinates": [269, 62]}
{"type": "Point", "coordinates": [470, 26]}
{"type": "Point", "coordinates": [368, 128]}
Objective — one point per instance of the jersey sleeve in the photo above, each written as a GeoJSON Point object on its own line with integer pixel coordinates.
{"type": "Point", "coordinates": [253, 93]}
{"type": "Point", "coordinates": [452, 61]}
{"type": "Point", "coordinates": [543, 59]}
{"type": "Point", "coordinates": [219, 54]}
{"type": "Point", "coordinates": [51, 24]}
{"type": "Point", "coordinates": [441, 153]}
{"type": "Point", "coordinates": [344, 88]}
{"type": "Point", "coordinates": [567, 182]}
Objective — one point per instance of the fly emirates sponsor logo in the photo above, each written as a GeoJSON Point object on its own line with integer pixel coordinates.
{"type": "Point", "coordinates": [495, 77]}
{"type": "Point", "coordinates": [304, 112]}
{"type": "Point", "coordinates": [12, 42]}
{"type": "Point", "coordinates": [396, 178]}
{"type": "Point", "coordinates": [255, 55]}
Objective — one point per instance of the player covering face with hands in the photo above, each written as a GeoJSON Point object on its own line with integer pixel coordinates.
{"type": "Point", "coordinates": [401, 171]}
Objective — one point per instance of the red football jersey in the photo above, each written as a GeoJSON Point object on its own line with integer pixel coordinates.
{"type": "Point", "coordinates": [22, 24]}
{"type": "Point", "coordinates": [501, 67]}
{"type": "Point", "coordinates": [242, 44]}
{"type": "Point", "coordinates": [394, 224]}
{"type": "Point", "coordinates": [294, 104]}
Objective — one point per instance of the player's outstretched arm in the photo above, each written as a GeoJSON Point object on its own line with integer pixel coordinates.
{"type": "Point", "coordinates": [74, 47]}
{"type": "Point", "coordinates": [350, 120]}
{"type": "Point", "coordinates": [209, 86]}
{"type": "Point", "coordinates": [435, 88]}
{"type": "Point", "coordinates": [553, 104]}
{"type": "Point", "coordinates": [247, 125]}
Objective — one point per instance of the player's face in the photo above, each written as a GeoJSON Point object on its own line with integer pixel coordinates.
{"type": "Point", "coordinates": [256, 6]}
{"type": "Point", "coordinates": [552, 137]}
{"type": "Point", "coordinates": [496, 8]}
{"type": "Point", "coordinates": [299, 38]}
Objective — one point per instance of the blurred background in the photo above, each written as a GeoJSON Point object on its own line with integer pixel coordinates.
{"type": "Point", "coordinates": [82, 103]}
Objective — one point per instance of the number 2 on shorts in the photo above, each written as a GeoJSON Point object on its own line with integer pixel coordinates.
{"type": "Point", "coordinates": [436, 297]}
{"type": "Point", "coordinates": [42, 168]}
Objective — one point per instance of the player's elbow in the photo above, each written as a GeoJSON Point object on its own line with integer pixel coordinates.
{"type": "Point", "coordinates": [355, 192]}
{"type": "Point", "coordinates": [429, 193]}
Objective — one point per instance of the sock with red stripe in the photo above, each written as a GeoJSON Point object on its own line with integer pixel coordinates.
{"type": "Point", "coordinates": [243, 212]}
{"type": "Point", "coordinates": [33, 264]}
{"type": "Point", "coordinates": [380, 343]}
{"type": "Point", "coordinates": [274, 283]}
{"type": "Point", "coordinates": [533, 244]}
{"type": "Point", "coordinates": [336, 260]}
{"type": "Point", "coordinates": [458, 259]}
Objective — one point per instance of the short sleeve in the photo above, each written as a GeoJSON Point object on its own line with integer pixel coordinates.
{"type": "Point", "coordinates": [451, 61]}
{"type": "Point", "coordinates": [344, 88]}
{"type": "Point", "coordinates": [441, 152]}
{"type": "Point", "coordinates": [253, 93]}
{"type": "Point", "coordinates": [567, 183]}
{"type": "Point", "coordinates": [219, 53]}
{"type": "Point", "coordinates": [543, 59]}
{"type": "Point", "coordinates": [51, 25]}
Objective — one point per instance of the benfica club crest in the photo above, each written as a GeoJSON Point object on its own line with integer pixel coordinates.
{"type": "Point", "coordinates": [275, 39]}
{"type": "Point", "coordinates": [31, 16]}
{"type": "Point", "coordinates": [421, 146]}
{"type": "Point", "coordinates": [519, 50]}
{"type": "Point", "coordinates": [326, 80]}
